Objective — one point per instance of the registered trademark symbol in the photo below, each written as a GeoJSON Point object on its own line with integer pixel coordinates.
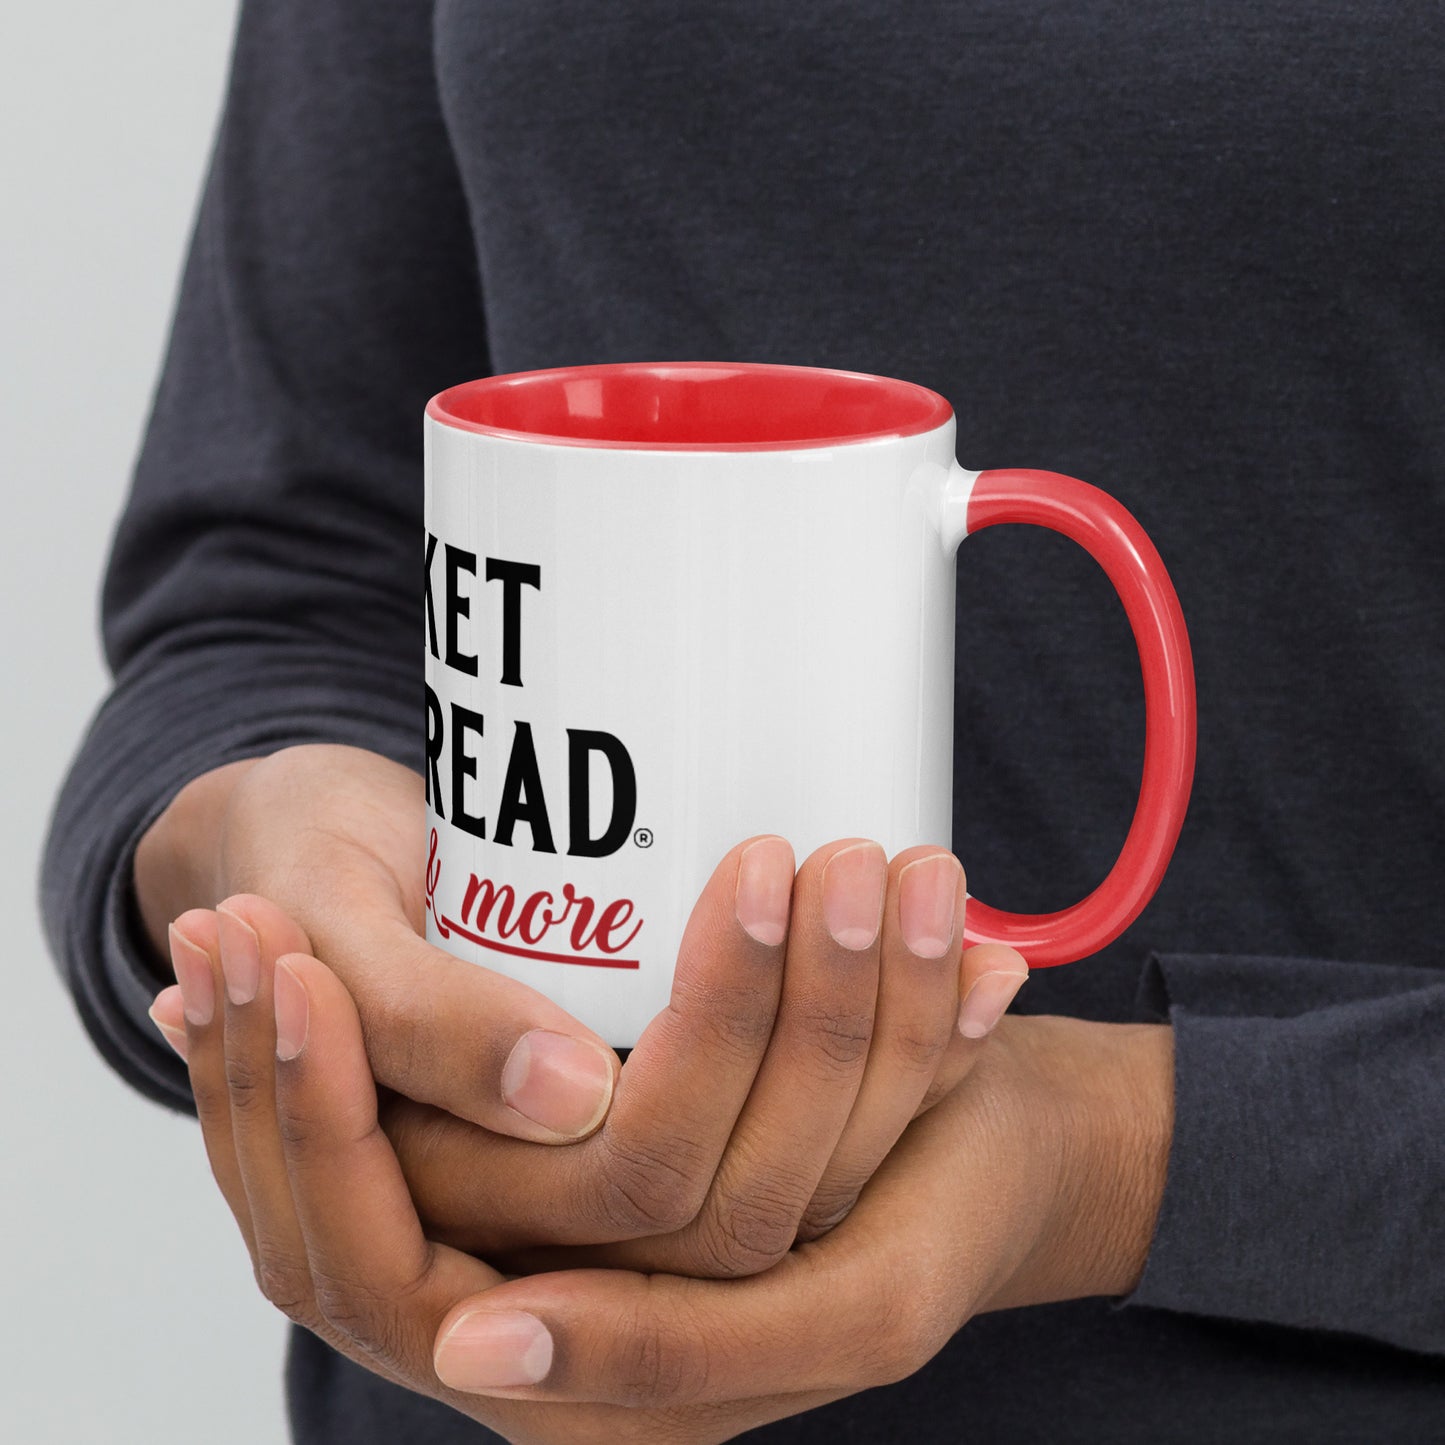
{"type": "Point", "coordinates": [643, 837]}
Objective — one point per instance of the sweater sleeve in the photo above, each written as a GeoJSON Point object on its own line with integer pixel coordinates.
{"type": "Point", "coordinates": [263, 585]}
{"type": "Point", "coordinates": [1306, 1180]}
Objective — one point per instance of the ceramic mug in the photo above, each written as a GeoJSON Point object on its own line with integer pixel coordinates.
{"type": "Point", "coordinates": [671, 606]}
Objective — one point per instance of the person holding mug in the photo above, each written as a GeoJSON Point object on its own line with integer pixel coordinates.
{"type": "Point", "coordinates": [1186, 1189]}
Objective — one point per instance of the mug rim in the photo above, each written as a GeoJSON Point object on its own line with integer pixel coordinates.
{"type": "Point", "coordinates": [754, 406]}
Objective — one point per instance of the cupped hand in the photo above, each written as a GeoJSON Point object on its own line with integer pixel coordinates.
{"type": "Point", "coordinates": [331, 837]}
{"type": "Point", "coordinates": [811, 1019]}
{"type": "Point", "coordinates": [1039, 1181]}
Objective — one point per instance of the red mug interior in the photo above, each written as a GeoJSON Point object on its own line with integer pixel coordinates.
{"type": "Point", "coordinates": [692, 406]}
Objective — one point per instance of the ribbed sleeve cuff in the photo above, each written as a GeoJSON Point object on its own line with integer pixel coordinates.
{"type": "Point", "coordinates": [165, 724]}
{"type": "Point", "coordinates": [1306, 1179]}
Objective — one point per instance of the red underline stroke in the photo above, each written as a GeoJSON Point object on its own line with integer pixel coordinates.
{"type": "Point", "coordinates": [536, 953]}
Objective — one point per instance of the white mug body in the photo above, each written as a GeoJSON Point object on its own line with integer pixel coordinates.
{"type": "Point", "coordinates": [673, 606]}
{"type": "Point", "coordinates": [638, 658]}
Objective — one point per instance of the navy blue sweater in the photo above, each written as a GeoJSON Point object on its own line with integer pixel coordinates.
{"type": "Point", "coordinates": [1190, 252]}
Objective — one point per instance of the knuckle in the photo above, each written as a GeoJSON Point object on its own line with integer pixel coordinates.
{"type": "Point", "coordinates": [735, 1020]}
{"type": "Point", "coordinates": [250, 1085]}
{"type": "Point", "coordinates": [912, 1325]}
{"type": "Point", "coordinates": [361, 1313]}
{"type": "Point", "coordinates": [288, 1286]}
{"type": "Point", "coordinates": [307, 1134]}
{"type": "Point", "coordinates": [649, 1187]}
{"type": "Point", "coordinates": [918, 1046]}
{"type": "Point", "coordinates": [837, 1039]}
{"type": "Point", "coordinates": [301, 1134]}
{"type": "Point", "coordinates": [349, 1314]}
{"type": "Point", "coordinates": [746, 1235]}
{"type": "Point", "coordinates": [826, 1212]}
{"type": "Point", "coordinates": [213, 1102]}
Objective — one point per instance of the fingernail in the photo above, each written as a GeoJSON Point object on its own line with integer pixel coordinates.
{"type": "Point", "coordinates": [986, 1002]}
{"type": "Point", "coordinates": [293, 1013]}
{"type": "Point", "coordinates": [765, 888]}
{"type": "Point", "coordinates": [192, 967]}
{"type": "Point", "coordinates": [853, 884]}
{"type": "Point", "coordinates": [927, 904]}
{"type": "Point", "coordinates": [240, 957]}
{"type": "Point", "coordinates": [488, 1350]}
{"type": "Point", "coordinates": [168, 1015]}
{"type": "Point", "coordinates": [562, 1083]}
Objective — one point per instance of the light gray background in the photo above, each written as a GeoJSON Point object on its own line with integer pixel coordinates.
{"type": "Point", "coordinates": [127, 1310]}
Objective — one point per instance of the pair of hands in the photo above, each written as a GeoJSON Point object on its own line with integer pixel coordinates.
{"type": "Point", "coordinates": [753, 1113]}
{"type": "Point", "coordinates": [753, 1110]}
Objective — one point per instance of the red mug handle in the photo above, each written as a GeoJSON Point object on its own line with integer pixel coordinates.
{"type": "Point", "coordinates": [1119, 545]}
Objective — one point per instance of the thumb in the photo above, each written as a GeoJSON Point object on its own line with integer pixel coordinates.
{"type": "Point", "coordinates": [446, 1032]}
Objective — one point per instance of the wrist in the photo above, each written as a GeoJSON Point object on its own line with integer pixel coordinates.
{"type": "Point", "coordinates": [1104, 1095]}
{"type": "Point", "coordinates": [178, 860]}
